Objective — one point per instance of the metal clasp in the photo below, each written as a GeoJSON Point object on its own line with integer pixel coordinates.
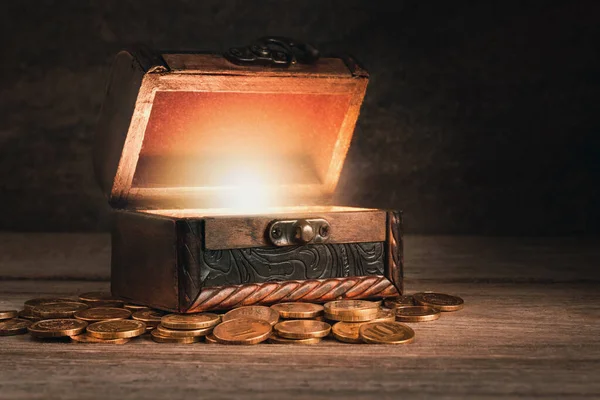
{"type": "Point", "coordinates": [273, 51]}
{"type": "Point", "coordinates": [298, 231]}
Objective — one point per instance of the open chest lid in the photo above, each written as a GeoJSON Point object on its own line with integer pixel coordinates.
{"type": "Point", "coordinates": [196, 130]}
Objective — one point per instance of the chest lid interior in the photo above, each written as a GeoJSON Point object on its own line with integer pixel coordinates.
{"type": "Point", "coordinates": [194, 130]}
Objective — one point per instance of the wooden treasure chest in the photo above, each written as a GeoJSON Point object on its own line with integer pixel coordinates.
{"type": "Point", "coordinates": [221, 170]}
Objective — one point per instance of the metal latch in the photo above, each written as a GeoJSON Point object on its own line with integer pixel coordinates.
{"type": "Point", "coordinates": [299, 231]}
{"type": "Point", "coordinates": [273, 51]}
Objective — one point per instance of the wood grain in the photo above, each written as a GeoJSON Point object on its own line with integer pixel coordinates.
{"type": "Point", "coordinates": [511, 340]}
{"type": "Point", "coordinates": [217, 64]}
{"type": "Point", "coordinates": [122, 129]}
{"type": "Point", "coordinates": [115, 117]}
{"type": "Point", "coordinates": [427, 258]}
{"type": "Point", "coordinates": [144, 263]}
{"type": "Point", "coordinates": [530, 328]}
{"type": "Point", "coordinates": [55, 256]}
{"type": "Point", "coordinates": [229, 232]}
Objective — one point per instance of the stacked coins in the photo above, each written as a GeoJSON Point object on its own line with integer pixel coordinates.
{"type": "Point", "coordinates": [303, 324]}
{"type": "Point", "coordinates": [245, 326]}
{"type": "Point", "coordinates": [361, 321]}
{"type": "Point", "coordinates": [11, 324]}
{"type": "Point", "coordinates": [184, 328]}
{"type": "Point", "coordinates": [101, 318]}
{"type": "Point", "coordinates": [150, 317]}
{"type": "Point", "coordinates": [92, 318]}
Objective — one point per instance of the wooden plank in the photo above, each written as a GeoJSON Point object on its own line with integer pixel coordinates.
{"type": "Point", "coordinates": [342, 144]}
{"type": "Point", "coordinates": [249, 84]}
{"type": "Point", "coordinates": [144, 263]}
{"type": "Point", "coordinates": [217, 64]}
{"type": "Point", "coordinates": [115, 118]}
{"type": "Point", "coordinates": [134, 136]}
{"type": "Point", "coordinates": [127, 151]}
{"type": "Point", "coordinates": [55, 256]}
{"type": "Point", "coordinates": [427, 258]}
{"type": "Point", "coordinates": [517, 340]}
{"type": "Point", "coordinates": [501, 259]}
{"type": "Point", "coordinates": [242, 232]}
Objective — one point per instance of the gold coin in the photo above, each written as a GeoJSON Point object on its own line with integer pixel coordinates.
{"type": "Point", "coordinates": [107, 303]}
{"type": "Point", "coordinates": [101, 299]}
{"type": "Point", "coordinates": [350, 317]}
{"type": "Point", "coordinates": [242, 331]}
{"type": "Point", "coordinates": [135, 307]}
{"type": "Point", "coordinates": [150, 317]}
{"type": "Point", "coordinates": [405, 300]}
{"type": "Point", "coordinates": [347, 331]}
{"type": "Point", "coordinates": [333, 307]}
{"type": "Point", "coordinates": [416, 313]}
{"type": "Point", "coordinates": [276, 339]}
{"type": "Point", "coordinates": [15, 326]}
{"type": "Point", "coordinates": [27, 313]}
{"type": "Point", "coordinates": [117, 329]}
{"type": "Point", "coordinates": [102, 314]}
{"type": "Point", "coordinates": [63, 309]}
{"type": "Point", "coordinates": [210, 338]}
{"type": "Point", "coordinates": [386, 333]}
{"type": "Point", "coordinates": [8, 314]}
{"type": "Point", "coordinates": [190, 321]}
{"type": "Point", "coordinates": [384, 315]}
{"type": "Point", "coordinates": [441, 301]}
{"type": "Point", "coordinates": [255, 312]}
{"type": "Point", "coordinates": [53, 328]}
{"type": "Point", "coordinates": [32, 303]}
{"type": "Point", "coordinates": [159, 338]}
{"type": "Point", "coordinates": [351, 310]}
{"type": "Point", "coordinates": [302, 329]}
{"type": "Point", "coordinates": [183, 332]}
{"type": "Point", "coordinates": [87, 338]}
{"type": "Point", "coordinates": [298, 310]}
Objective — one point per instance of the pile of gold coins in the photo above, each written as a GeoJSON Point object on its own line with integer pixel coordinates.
{"type": "Point", "coordinates": [100, 318]}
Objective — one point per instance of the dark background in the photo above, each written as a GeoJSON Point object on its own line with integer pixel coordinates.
{"type": "Point", "coordinates": [478, 119]}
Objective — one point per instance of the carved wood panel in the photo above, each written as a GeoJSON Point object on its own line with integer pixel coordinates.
{"type": "Point", "coordinates": [209, 268]}
{"type": "Point", "coordinates": [254, 265]}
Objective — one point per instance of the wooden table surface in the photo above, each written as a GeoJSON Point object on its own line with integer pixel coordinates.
{"type": "Point", "coordinates": [530, 328]}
